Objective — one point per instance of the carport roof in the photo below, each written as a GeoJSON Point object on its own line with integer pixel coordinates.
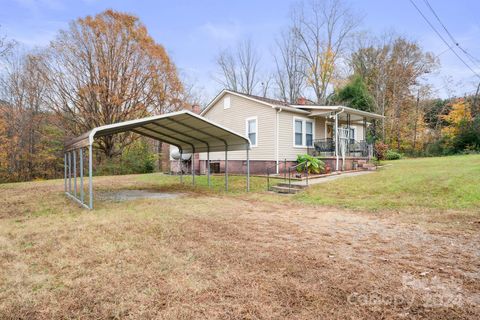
{"type": "Point", "coordinates": [184, 129]}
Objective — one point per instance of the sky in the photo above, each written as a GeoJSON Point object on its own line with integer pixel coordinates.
{"type": "Point", "coordinates": [193, 32]}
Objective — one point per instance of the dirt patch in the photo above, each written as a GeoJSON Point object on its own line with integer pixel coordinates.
{"type": "Point", "coordinates": [225, 257]}
{"type": "Point", "coordinates": [125, 195]}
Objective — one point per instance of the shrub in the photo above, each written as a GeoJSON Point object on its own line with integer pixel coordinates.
{"type": "Point", "coordinates": [315, 165]}
{"type": "Point", "coordinates": [136, 158]}
{"type": "Point", "coordinates": [375, 161]}
{"type": "Point", "coordinates": [392, 155]}
{"type": "Point", "coordinates": [380, 150]}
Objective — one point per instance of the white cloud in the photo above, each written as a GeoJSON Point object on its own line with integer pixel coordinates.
{"type": "Point", "coordinates": [227, 32]}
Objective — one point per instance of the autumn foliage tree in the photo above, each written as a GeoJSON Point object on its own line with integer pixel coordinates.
{"type": "Point", "coordinates": [393, 72]}
{"type": "Point", "coordinates": [106, 69]}
{"type": "Point", "coordinates": [24, 122]}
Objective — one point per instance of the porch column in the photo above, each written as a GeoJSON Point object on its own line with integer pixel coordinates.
{"type": "Point", "coordinates": [326, 131]}
{"type": "Point", "coordinates": [349, 139]}
{"type": "Point", "coordinates": [364, 129]}
{"type": "Point", "coordinates": [336, 142]}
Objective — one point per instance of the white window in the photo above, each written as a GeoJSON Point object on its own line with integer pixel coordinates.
{"type": "Point", "coordinates": [252, 130]}
{"type": "Point", "coordinates": [309, 133]}
{"type": "Point", "coordinates": [303, 132]}
{"type": "Point", "coordinates": [298, 132]}
{"type": "Point", "coordinates": [226, 102]}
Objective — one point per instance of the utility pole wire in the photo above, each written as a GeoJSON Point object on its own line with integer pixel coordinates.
{"type": "Point", "coordinates": [455, 42]}
{"type": "Point", "coordinates": [443, 39]}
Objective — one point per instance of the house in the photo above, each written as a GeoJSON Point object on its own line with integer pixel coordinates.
{"type": "Point", "coordinates": [279, 131]}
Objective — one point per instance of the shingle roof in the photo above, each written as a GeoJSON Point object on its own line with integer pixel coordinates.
{"type": "Point", "coordinates": [264, 99]}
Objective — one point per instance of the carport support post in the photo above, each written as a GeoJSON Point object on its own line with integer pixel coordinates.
{"type": "Point", "coordinates": [180, 166]}
{"type": "Point", "coordinates": [226, 168]}
{"type": "Point", "coordinates": [75, 173]}
{"type": "Point", "coordinates": [193, 167]}
{"type": "Point", "coordinates": [65, 171]}
{"type": "Point", "coordinates": [248, 169]}
{"type": "Point", "coordinates": [90, 173]}
{"type": "Point", "coordinates": [208, 166]}
{"type": "Point", "coordinates": [69, 172]}
{"type": "Point", "coordinates": [82, 193]}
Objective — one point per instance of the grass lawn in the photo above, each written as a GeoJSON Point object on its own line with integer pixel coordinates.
{"type": "Point", "coordinates": [427, 183]}
{"type": "Point", "coordinates": [215, 255]}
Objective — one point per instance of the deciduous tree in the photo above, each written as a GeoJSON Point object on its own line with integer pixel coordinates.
{"type": "Point", "coordinates": [323, 29]}
{"type": "Point", "coordinates": [238, 68]}
{"type": "Point", "coordinates": [290, 67]}
{"type": "Point", "coordinates": [105, 69]}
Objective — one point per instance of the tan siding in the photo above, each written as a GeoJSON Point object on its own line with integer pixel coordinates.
{"type": "Point", "coordinates": [234, 118]}
{"type": "Point", "coordinates": [286, 149]}
{"type": "Point", "coordinates": [319, 128]}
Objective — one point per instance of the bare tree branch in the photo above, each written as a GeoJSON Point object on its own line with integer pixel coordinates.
{"type": "Point", "coordinates": [322, 31]}
{"type": "Point", "coordinates": [290, 68]}
{"type": "Point", "coordinates": [239, 68]}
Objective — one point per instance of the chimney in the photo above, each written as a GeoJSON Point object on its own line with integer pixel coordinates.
{"type": "Point", "coordinates": [301, 101]}
{"type": "Point", "coordinates": [196, 109]}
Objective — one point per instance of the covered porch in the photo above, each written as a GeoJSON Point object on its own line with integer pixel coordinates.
{"type": "Point", "coordinates": [341, 135]}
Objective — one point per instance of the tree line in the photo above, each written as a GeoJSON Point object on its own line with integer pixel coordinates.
{"type": "Point", "coordinates": [101, 70]}
{"type": "Point", "coordinates": [323, 55]}
{"type": "Point", "coordinates": [106, 68]}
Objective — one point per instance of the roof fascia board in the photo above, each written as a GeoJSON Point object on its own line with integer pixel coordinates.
{"type": "Point", "coordinates": [347, 110]}
{"type": "Point", "coordinates": [224, 91]}
{"type": "Point", "coordinates": [147, 120]}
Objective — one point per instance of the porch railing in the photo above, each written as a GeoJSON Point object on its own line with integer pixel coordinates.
{"type": "Point", "coordinates": [291, 170]}
{"type": "Point", "coordinates": [274, 169]}
{"type": "Point", "coordinates": [326, 147]}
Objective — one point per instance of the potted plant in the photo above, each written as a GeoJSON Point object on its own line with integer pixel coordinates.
{"type": "Point", "coordinates": [308, 163]}
{"type": "Point", "coordinates": [328, 169]}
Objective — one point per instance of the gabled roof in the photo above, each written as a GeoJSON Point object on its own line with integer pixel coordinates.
{"type": "Point", "coordinates": [262, 100]}
{"type": "Point", "coordinates": [184, 129]}
{"type": "Point", "coordinates": [306, 109]}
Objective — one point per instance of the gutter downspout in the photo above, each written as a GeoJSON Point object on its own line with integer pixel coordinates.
{"type": "Point", "coordinates": [277, 140]}
{"type": "Point", "coordinates": [336, 139]}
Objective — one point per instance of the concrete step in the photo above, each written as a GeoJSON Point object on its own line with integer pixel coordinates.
{"type": "Point", "coordinates": [287, 190]}
{"type": "Point", "coordinates": [369, 166]}
{"type": "Point", "coordinates": [296, 186]}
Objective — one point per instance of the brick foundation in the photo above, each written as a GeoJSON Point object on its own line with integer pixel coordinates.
{"type": "Point", "coordinates": [259, 166]}
{"type": "Point", "coordinates": [240, 166]}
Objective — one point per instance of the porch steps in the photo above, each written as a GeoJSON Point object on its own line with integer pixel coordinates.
{"type": "Point", "coordinates": [283, 188]}
{"type": "Point", "coordinates": [298, 186]}
{"type": "Point", "coordinates": [368, 166]}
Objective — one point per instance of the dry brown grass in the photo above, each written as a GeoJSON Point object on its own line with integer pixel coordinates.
{"type": "Point", "coordinates": [227, 257]}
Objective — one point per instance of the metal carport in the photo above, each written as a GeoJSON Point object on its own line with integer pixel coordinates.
{"type": "Point", "coordinates": [186, 130]}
